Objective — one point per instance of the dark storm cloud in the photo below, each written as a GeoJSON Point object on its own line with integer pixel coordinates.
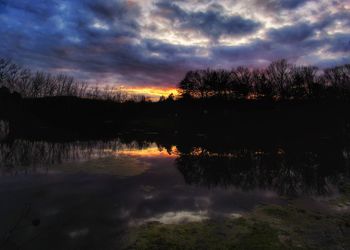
{"type": "Point", "coordinates": [168, 49]}
{"type": "Point", "coordinates": [132, 43]}
{"type": "Point", "coordinates": [292, 33]}
{"type": "Point", "coordinates": [66, 36]}
{"type": "Point", "coordinates": [340, 43]}
{"type": "Point", "coordinates": [277, 5]}
{"type": "Point", "coordinates": [266, 51]}
{"type": "Point", "coordinates": [212, 23]}
{"type": "Point", "coordinates": [107, 10]}
{"type": "Point", "coordinates": [298, 34]}
{"type": "Point", "coordinates": [78, 45]}
{"type": "Point", "coordinates": [292, 4]}
{"type": "Point", "coordinates": [41, 8]}
{"type": "Point", "coordinates": [139, 63]}
{"type": "Point", "coordinates": [250, 54]}
{"type": "Point", "coordinates": [112, 11]}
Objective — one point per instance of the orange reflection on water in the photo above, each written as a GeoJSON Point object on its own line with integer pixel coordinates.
{"type": "Point", "coordinates": [149, 152]}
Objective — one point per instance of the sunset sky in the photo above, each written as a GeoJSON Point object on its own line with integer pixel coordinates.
{"type": "Point", "coordinates": [149, 45]}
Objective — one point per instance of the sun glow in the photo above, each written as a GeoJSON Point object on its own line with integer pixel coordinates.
{"type": "Point", "coordinates": [154, 93]}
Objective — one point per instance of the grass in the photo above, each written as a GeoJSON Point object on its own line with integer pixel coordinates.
{"type": "Point", "coordinates": [230, 234]}
{"type": "Point", "coordinates": [267, 227]}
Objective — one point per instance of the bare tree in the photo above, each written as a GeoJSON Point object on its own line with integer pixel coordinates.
{"type": "Point", "coordinates": [278, 73]}
{"type": "Point", "coordinates": [263, 88]}
{"type": "Point", "coordinates": [241, 82]}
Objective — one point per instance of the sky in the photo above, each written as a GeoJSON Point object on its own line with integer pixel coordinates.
{"type": "Point", "coordinates": [150, 44]}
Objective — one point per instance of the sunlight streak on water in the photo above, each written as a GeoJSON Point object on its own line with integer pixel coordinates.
{"type": "Point", "coordinates": [23, 157]}
{"type": "Point", "coordinates": [153, 151]}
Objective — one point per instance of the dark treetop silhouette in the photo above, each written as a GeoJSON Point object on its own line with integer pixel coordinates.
{"type": "Point", "coordinates": [279, 81]}
{"type": "Point", "coordinates": [279, 101]}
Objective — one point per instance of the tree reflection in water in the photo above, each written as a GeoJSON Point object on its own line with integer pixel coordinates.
{"type": "Point", "coordinates": [21, 156]}
{"type": "Point", "coordinates": [288, 170]}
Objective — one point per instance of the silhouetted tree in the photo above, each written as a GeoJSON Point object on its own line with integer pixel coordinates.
{"type": "Point", "coordinates": [40, 84]}
{"type": "Point", "coordinates": [337, 80]}
{"type": "Point", "coordinates": [241, 84]}
{"type": "Point", "coordinates": [170, 98]}
{"type": "Point", "coordinates": [263, 89]}
{"type": "Point", "coordinates": [302, 81]}
{"type": "Point", "coordinates": [161, 99]}
{"type": "Point", "coordinates": [279, 81]}
{"type": "Point", "coordinates": [219, 82]}
{"type": "Point", "coordinates": [192, 84]}
{"type": "Point", "coordinates": [278, 74]}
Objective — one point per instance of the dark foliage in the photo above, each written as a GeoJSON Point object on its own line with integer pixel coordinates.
{"type": "Point", "coordinates": [279, 81]}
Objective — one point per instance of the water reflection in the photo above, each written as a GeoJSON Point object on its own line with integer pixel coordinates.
{"type": "Point", "coordinates": [4, 129]}
{"type": "Point", "coordinates": [288, 171]}
{"type": "Point", "coordinates": [22, 156]}
{"type": "Point", "coordinates": [151, 151]}
{"type": "Point", "coordinates": [174, 217]}
{"type": "Point", "coordinates": [88, 206]}
{"type": "Point", "coordinates": [94, 212]}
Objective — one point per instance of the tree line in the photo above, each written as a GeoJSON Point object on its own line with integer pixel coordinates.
{"type": "Point", "coordinates": [29, 84]}
{"type": "Point", "coordinates": [279, 81]}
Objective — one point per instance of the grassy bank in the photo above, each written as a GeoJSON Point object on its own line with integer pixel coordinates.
{"type": "Point", "coordinates": [267, 227]}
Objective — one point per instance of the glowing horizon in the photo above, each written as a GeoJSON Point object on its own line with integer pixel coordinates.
{"type": "Point", "coordinates": [152, 92]}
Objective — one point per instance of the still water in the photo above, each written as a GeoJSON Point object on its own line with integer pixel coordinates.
{"type": "Point", "coordinates": [87, 195]}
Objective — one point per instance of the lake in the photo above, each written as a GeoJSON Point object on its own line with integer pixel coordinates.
{"type": "Point", "coordinates": [92, 194]}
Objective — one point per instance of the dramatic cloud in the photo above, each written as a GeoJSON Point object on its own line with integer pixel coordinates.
{"type": "Point", "coordinates": [275, 5]}
{"type": "Point", "coordinates": [211, 22]}
{"type": "Point", "coordinates": [292, 33]}
{"type": "Point", "coordinates": [153, 43]}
